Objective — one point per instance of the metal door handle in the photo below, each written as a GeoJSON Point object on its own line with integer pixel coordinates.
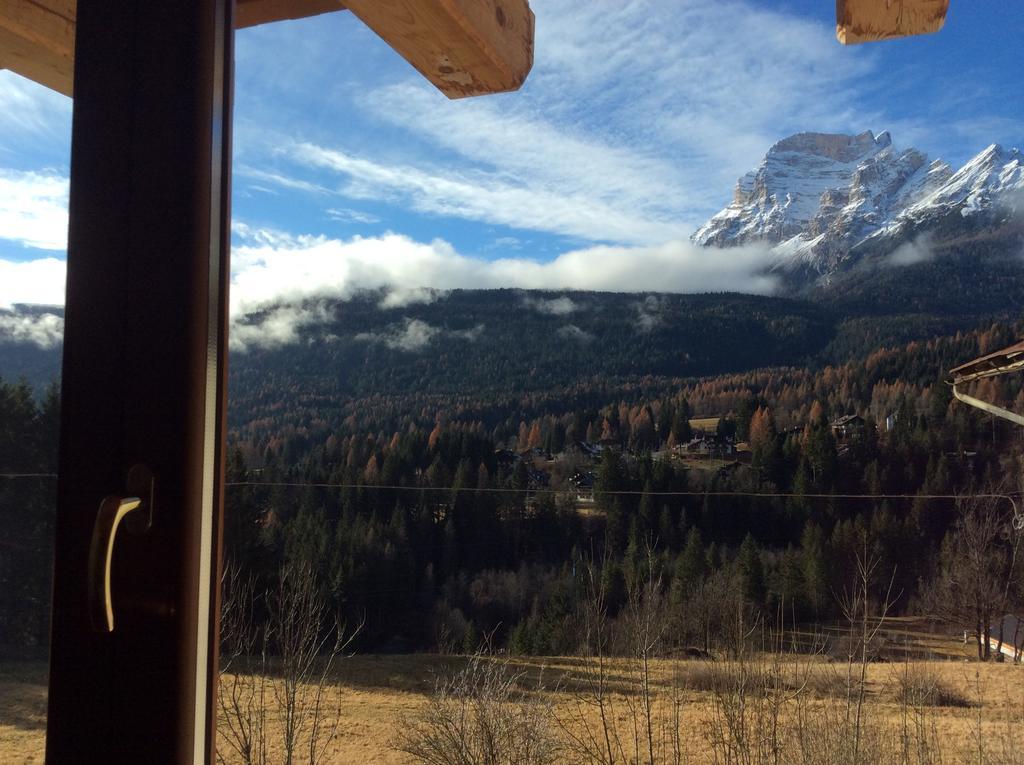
{"type": "Point", "coordinates": [113, 510]}
{"type": "Point", "coordinates": [101, 553]}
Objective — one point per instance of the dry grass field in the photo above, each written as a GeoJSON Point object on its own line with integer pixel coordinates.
{"type": "Point", "coordinates": [960, 710]}
{"type": "Point", "coordinates": [705, 424]}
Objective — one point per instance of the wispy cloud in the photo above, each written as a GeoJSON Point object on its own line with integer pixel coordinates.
{"type": "Point", "coordinates": [415, 335]}
{"type": "Point", "coordinates": [918, 250]}
{"type": "Point", "coordinates": [486, 197]}
{"type": "Point", "coordinates": [348, 215]}
{"type": "Point", "coordinates": [34, 209]}
{"type": "Point", "coordinates": [574, 333]}
{"type": "Point", "coordinates": [649, 313]}
{"type": "Point", "coordinates": [31, 114]}
{"type": "Point", "coordinates": [243, 171]}
{"type": "Point", "coordinates": [631, 129]}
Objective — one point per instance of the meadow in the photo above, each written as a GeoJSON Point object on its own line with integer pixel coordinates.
{"type": "Point", "coordinates": [752, 708]}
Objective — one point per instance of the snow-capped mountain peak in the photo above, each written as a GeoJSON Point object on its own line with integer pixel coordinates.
{"type": "Point", "coordinates": [777, 200]}
{"type": "Point", "coordinates": [816, 196]}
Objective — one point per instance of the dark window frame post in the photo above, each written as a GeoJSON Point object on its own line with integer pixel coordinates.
{"type": "Point", "coordinates": [144, 378]}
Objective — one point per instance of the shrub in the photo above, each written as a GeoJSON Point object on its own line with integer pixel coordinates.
{"type": "Point", "coordinates": [917, 685]}
{"type": "Point", "coordinates": [478, 716]}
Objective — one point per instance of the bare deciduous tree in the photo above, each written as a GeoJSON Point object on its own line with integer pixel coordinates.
{"type": "Point", "coordinates": [278, 651]}
{"type": "Point", "coordinates": [978, 567]}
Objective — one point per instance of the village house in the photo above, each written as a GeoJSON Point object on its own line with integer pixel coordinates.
{"type": "Point", "coordinates": [582, 482]}
{"type": "Point", "coordinates": [848, 428]}
{"type": "Point", "coordinates": [710, 446]}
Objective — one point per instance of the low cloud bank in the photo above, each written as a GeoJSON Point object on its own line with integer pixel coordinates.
{"type": "Point", "coordinates": [279, 281]}
{"type": "Point", "coordinates": [269, 269]}
{"type": "Point", "coordinates": [45, 330]}
{"type": "Point", "coordinates": [273, 269]}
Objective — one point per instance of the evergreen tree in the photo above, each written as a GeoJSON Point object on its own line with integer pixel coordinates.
{"type": "Point", "coordinates": [815, 569]}
{"type": "Point", "coordinates": [751, 571]}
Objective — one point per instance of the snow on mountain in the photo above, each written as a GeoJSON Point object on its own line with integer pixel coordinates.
{"type": "Point", "coordinates": [988, 177]}
{"type": "Point", "coordinates": [816, 196]}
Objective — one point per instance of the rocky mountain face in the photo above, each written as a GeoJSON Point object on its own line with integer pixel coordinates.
{"type": "Point", "coordinates": [822, 201]}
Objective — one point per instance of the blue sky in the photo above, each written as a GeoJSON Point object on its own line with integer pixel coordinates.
{"type": "Point", "coordinates": [352, 171]}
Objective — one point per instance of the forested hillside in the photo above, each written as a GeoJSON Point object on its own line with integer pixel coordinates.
{"type": "Point", "coordinates": [437, 518]}
{"type": "Point", "coordinates": [447, 466]}
{"type": "Point", "coordinates": [460, 520]}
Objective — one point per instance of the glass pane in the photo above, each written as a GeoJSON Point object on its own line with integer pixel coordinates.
{"type": "Point", "coordinates": [34, 140]}
{"type": "Point", "coordinates": [610, 418]}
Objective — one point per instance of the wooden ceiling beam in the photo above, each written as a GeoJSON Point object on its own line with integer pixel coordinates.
{"type": "Point", "coordinates": [251, 13]}
{"type": "Point", "coordinates": [464, 47]}
{"type": "Point", "coordinates": [37, 40]}
{"type": "Point", "coordinates": [859, 21]}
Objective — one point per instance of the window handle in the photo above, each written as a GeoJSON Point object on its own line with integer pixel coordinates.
{"type": "Point", "coordinates": [113, 510]}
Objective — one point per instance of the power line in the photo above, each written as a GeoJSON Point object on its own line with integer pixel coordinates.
{"type": "Point", "coordinates": [623, 492]}
{"type": "Point", "coordinates": [1009, 497]}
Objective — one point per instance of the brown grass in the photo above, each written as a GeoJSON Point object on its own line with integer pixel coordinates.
{"type": "Point", "coordinates": [961, 701]}
{"type": "Point", "coordinates": [706, 424]}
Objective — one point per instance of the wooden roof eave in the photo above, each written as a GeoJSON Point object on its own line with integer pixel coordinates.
{"type": "Point", "coordinates": [464, 47]}
{"type": "Point", "coordinates": [1004, 361]}
{"type": "Point", "coordinates": [860, 21]}
{"type": "Point", "coordinates": [999, 362]}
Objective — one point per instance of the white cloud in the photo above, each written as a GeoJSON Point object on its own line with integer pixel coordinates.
{"type": "Point", "coordinates": [34, 209]}
{"type": "Point", "coordinates": [560, 306]}
{"type": "Point", "coordinates": [411, 335]}
{"type": "Point", "coordinates": [38, 282]}
{"type": "Point", "coordinates": [917, 250]}
{"type": "Point", "coordinates": [45, 330]}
